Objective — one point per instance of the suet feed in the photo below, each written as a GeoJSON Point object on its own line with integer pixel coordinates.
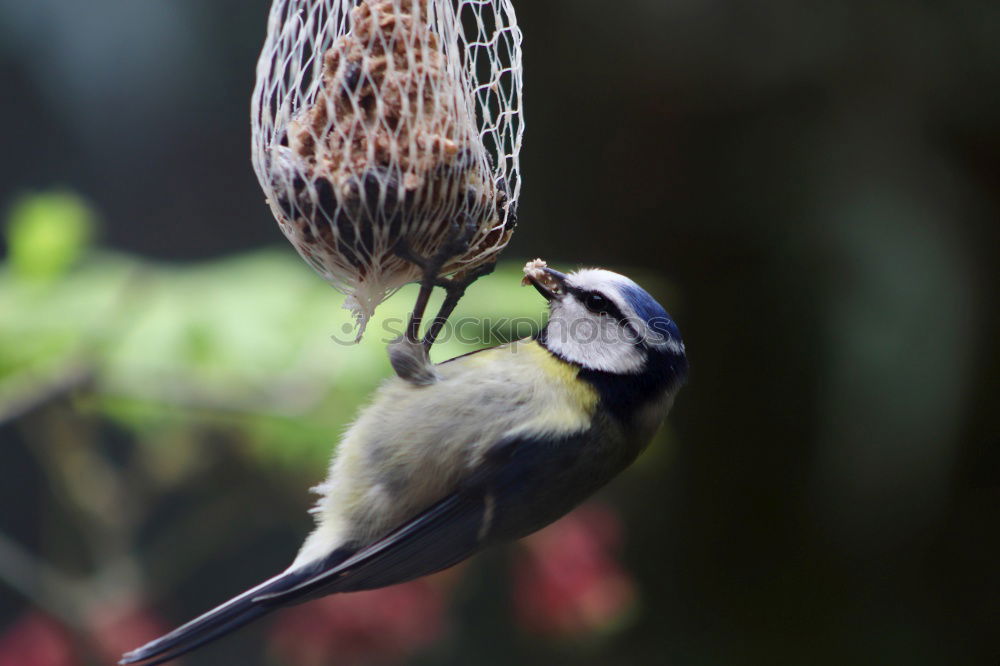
{"type": "Point", "coordinates": [386, 124]}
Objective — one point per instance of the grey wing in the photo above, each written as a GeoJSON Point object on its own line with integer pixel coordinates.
{"type": "Point", "coordinates": [514, 493]}
{"type": "Point", "coordinates": [522, 485]}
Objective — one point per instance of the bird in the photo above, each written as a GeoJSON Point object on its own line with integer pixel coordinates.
{"type": "Point", "coordinates": [502, 442]}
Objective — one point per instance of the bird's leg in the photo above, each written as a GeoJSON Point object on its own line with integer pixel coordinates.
{"type": "Point", "coordinates": [454, 287]}
{"type": "Point", "coordinates": [428, 280]}
{"type": "Point", "coordinates": [409, 355]}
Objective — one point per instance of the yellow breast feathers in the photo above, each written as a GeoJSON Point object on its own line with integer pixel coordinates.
{"type": "Point", "coordinates": [413, 443]}
{"type": "Point", "coordinates": [549, 395]}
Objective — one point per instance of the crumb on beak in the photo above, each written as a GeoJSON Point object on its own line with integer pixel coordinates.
{"type": "Point", "coordinates": [549, 283]}
{"type": "Point", "coordinates": [533, 270]}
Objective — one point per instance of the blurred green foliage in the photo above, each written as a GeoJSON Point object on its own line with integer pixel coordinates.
{"type": "Point", "coordinates": [47, 234]}
{"type": "Point", "coordinates": [253, 342]}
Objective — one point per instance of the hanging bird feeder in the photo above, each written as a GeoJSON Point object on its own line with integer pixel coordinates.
{"type": "Point", "coordinates": [385, 129]}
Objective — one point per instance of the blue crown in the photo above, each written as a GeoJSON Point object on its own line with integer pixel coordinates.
{"type": "Point", "coordinates": [651, 312]}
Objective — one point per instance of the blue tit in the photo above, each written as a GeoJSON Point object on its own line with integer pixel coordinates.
{"type": "Point", "coordinates": [503, 442]}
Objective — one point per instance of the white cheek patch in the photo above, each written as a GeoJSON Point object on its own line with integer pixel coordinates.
{"type": "Point", "coordinates": [597, 342]}
{"type": "Point", "coordinates": [596, 279]}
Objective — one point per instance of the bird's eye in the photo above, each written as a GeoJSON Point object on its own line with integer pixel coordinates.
{"type": "Point", "coordinates": [595, 303]}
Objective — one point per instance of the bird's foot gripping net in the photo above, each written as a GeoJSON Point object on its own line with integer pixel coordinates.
{"type": "Point", "coordinates": [410, 354]}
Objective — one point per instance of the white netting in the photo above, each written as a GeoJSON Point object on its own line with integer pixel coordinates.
{"type": "Point", "coordinates": [386, 119]}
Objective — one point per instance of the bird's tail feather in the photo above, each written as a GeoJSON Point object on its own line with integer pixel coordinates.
{"type": "Point", "coordinates": [230, 616]}
{"type": "Point", "coordinates": [215, 623]}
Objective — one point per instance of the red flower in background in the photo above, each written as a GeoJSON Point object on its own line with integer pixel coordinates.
{"type": "Point", "coordinates": [383, 626]}
{"type": "Point", "coordinates": [567, 581]}
{"type": "Point", "coordinates": [112, 628]}
{"type": "Point", "coordinates": [117, 627]}
{"type": "Point", "coordinates": [36, 640]}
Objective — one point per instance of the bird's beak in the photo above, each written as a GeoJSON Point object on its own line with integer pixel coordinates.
{"type": "Point", "coordinates": [549, 282]}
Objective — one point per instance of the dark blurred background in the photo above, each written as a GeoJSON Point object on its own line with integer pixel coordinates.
{"type": "Point", "coordinates": [813, 190]}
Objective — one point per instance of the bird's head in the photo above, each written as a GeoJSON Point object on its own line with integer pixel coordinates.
{"type": "Point", "coordinates": [605, 322]}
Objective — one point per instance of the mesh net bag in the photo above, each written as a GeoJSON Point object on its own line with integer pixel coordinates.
{"type": "Point", "coordinates": [376, 121]}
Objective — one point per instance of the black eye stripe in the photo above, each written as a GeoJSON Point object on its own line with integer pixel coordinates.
{"type": "Point", "coordinates": [607, 306]}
